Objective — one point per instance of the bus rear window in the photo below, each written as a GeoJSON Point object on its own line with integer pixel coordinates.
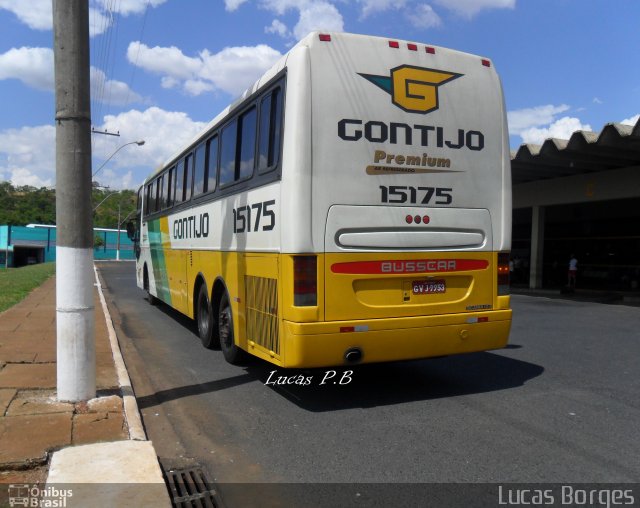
{"type": "Point", "coordinates": [270, 128]}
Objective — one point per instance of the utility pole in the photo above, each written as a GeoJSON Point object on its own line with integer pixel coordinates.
{"type": "Point", "coordinates": [75, 313]}
{"type": "Point", "coordinates": [118, 240]}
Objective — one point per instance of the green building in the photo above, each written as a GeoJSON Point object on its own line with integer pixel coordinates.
{"type": "Point", "coordinates": [36, 243]}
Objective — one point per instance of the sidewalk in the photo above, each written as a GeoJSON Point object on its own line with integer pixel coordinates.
{"type": "Point", "coordinates": [34, 425]}
{"type": "Point", "coordinates": [611, 297]}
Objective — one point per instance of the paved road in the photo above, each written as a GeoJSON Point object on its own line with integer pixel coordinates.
{"type": "Point", "coordinates": [559, 404]}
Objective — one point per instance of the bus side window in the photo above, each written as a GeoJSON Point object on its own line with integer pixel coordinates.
{"type": "Point", "coordinates": [199, 172]}
{"type": "Point", "coordinates": [151, 202]}
{"type": "Point", "coordinates": [228, 153]}
{"type": "Point", "coordinates": [147, 193]}
{"type": "Point", "coordinates": [158, 195]}
{"type": "Point", "coordinates": [188, 176]}
{"type": "Point", "coordinates": [212, 163]}
{"type": "Point", "coordinates": [179, 188]}
{"type": "Point", "coordinates": [162, 192]}
{"type": "Point", "coordinates": [270, 129]}
{"type": "Point", "coordinates": [247, 144]}
{"type": "Point", "coordinates": [171, 187]}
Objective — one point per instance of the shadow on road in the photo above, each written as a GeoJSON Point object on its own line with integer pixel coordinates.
{"type": "Point", "coordinates": [400, 382]}
{"type": "Point", "coordinates": [368, 385]}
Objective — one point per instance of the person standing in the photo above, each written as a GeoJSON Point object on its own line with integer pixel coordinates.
{"type": "Point", "coordinates": [573, 270]}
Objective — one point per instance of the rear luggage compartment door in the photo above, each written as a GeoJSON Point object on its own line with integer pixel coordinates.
{"type": "Point", "coordinates": [427, 261]}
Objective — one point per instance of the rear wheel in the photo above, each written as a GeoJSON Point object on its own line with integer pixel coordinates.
{"type": "Point", "coordinates": [204, 319]}
{"type": "Point", "coordinates": [232, 353]}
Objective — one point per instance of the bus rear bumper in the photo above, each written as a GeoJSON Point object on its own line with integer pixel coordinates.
{"type": "Point", "coordinates": [325, 344]}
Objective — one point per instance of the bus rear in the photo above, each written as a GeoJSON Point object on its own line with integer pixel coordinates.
{"type": "Point", "coordinates": [410, 206]}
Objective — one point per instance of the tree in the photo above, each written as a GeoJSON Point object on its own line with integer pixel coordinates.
{"type": "Point", "coordinates": [24, 205]}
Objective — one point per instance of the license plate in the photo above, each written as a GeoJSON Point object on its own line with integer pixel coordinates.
{"type": "Point", "coordinates": [425, 287]}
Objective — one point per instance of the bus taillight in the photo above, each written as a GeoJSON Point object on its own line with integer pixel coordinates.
{"type": "Point", "coordinates": [503, 273]}
{"type": "Point", "coordinates": [305, 281]}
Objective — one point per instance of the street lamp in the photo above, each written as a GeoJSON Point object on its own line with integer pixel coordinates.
{"type": "Point", "coordinates": [139, 143]}
{"type": "Point", "coordinates": [120, 222]}
{"type": "Point", "coordinates": [108, 196]}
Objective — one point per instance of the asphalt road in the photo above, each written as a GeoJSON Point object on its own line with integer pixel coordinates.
{"type": "Point", "coordinates": [559, 404]}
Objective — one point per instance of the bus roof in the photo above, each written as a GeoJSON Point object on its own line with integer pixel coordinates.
{"type": "Point", "coordinates": [309, 41]}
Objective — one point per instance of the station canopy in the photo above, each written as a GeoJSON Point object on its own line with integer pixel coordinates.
{"type": "Point", "coordinates": [616, 146]}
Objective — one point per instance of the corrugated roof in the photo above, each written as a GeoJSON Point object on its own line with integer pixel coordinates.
{"type": "Point", "coordinates": [615, 146]}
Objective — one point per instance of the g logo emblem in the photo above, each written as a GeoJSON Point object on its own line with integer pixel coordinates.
{"type": "Point", "coordinates": [413, 89]}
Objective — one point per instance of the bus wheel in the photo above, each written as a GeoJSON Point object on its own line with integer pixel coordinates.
{"type": "Point", "coordinates": [204, 319]}
{"type": "Point", "coordinates": [232, 353]}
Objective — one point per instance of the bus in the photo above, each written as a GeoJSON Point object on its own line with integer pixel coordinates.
{"type": "Point", "coordinates": [352, 206]}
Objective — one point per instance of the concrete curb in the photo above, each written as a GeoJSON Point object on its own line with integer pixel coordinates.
{"type": "Point", "coordinates": [132, 413]}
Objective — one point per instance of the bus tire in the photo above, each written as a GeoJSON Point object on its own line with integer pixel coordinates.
{"type": "Point", "coordinates": [232, 353]}
{"type": "Point", "coordinates": [204, 320]}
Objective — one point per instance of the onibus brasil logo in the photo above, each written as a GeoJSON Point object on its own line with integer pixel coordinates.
{"type": "Point", "coordinates": [413, 89]}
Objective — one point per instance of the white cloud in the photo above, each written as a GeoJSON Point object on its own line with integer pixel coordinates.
{"type": "Point", "coordinates": [373, 6]}
{"type": "Point", "coordinates": [38, 14]}
{"type": "Point", "coordinates": [231, 70]}
{"type": "Point", "coordinates": [318, 16]}
{"type": "Point", "coordinates": [19, 177]}
{"type": "Point", "coordinates": [163, 132]}
{"type": "Point", "coordinates": [110, 91]}
{"type": "Point", "coordinates": [525, 119]}
{"type": "Point", "coordinates": [32, 66]}
{"type": "Point", "coordinates": [27, 155]}
{"type": "Point", "coordinates": [281, 6]}
{"type": "Point", "coordinates": [126, 7]}
{"type": "Point", "coordinates": [312, 15]}
{"type": "Point", "coordinates": [423, 16]}
{"type": "Point", "coordinates": [631, 121]}
{"type": "Point", "coordinates": [232, 5]}
{"type": "Point", "coordinates": [534, 125]}
{"type": "Point", "coordinates": [160, 60]}
{"type": "Point", "coordinates": [469, 8]}
{"type": "Point", "coordinates": [561, 128]}
{"type": "Point", "coordinates": [277, 27]}
{"type": "Point", "coordinates": [235, 69]}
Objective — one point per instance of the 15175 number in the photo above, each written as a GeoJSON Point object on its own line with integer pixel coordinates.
{"type": "Point", "coordinates": [416, 195]}
{"type": "Point", "coordinates": [263, 217]}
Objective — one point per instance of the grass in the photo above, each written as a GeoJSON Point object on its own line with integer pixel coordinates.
{"type": "Point", "coordinates": [16, 283]}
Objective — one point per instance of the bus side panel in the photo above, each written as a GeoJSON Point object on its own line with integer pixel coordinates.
{"type": "Point", "coordinates": [158, 275]}
{"type": "Point", "coordinates": [251, 280]}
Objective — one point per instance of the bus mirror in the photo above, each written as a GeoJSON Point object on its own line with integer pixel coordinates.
{"type": "Point", "coordinates": [131, 230]}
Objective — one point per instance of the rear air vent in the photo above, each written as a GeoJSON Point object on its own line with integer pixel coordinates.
{"type": "Point", "coordinates": [262, 312]}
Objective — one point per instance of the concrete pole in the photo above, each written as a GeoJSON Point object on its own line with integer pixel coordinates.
{"type": "Point", "coordinates": [75, 313]}
{"type": "Point", "coordinates": [537, 247]}
{"type": "Point", "coordinates": [118, 237]}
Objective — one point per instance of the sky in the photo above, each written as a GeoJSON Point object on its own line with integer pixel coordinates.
{"type": "Point", "coordinates": [162, 69]}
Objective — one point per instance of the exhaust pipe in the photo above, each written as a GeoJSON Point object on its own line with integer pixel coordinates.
{"type": "Point", "coordinates": [353, 355]}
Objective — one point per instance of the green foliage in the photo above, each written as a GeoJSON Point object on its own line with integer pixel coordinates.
{"type": "Point", "coordinates": [16, 283]}
{"type": "Point", "coordinates": [24, 205]}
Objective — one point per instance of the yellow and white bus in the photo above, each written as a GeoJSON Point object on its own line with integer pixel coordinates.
{"type": "Point", "coordinates": [353, 206]}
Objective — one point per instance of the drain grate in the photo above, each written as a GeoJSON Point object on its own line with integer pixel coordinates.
{"type": "Point", "coordinates": [190, 488]}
